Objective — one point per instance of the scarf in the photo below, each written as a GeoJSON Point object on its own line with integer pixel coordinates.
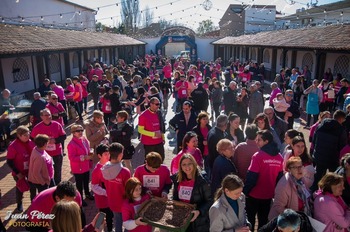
{"type": "Point", "coordinates": [303, 194]}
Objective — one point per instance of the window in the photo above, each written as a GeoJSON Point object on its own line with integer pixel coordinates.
{"type": "Point", "coordinates": [281, 60]}
{"type": "Point", "coordinates": [54, 64]}
{"type": "Point", "coordinates": [308, 60]}
{"type": "Point", "coordinates": [75, 60]}
{"type": "Point", "coordinates": [253, 57]}
{"type": "Point", "coordinates": [341, 66]}
{"type": "Point", "coordinates": [266, 56]}
{"type": "Point", "coordinates": [20, 70]}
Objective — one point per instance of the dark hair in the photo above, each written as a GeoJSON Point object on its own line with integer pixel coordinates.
{"type": "Point", "coordinates": [101, 148]}
{"type": "Point", "coordinates": [266, 135]}
{"type": "Point", "coordinates": [305, 157]}
{"type": "Point", "coordinates": [188, 136]}
{"type": "Point", "coordinates": [230, 182]}
{"type": "Point", "coordinates": [154, 159]}
{"type": "Point", "coordinates": [123, 114]}
{"type": "Point", "coordinates": [201, 115]}
{"type": "Point", "coordinates": [40, 140]}
{"type": "Point", "coordinates": [329, 179]}
{"type": "Point", "coordinates": [251, 131]}
{"type": "Point", "coordinates": [262, 116]}
{"type": "Point", "coordinates": [115, 149]}
{"type": "Point", "coordinates": [338, 114]}
{"type": "Point", "coordinates": [291, 133]}
{"type": "Point", "coordinates": [65, 188]}
{"type": "Point", "coordinates": [289, 218]}
{"type": "Point", "coordinates": [130, 186]}
{"type": "Point", "coordinates": [140, 91]}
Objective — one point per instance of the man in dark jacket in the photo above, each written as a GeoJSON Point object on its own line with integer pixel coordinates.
{"type": "Point", "coordinates": [37, 105]}
{"type": "Point", "coordinates": [230, 98]}
{"type": "Point", "coordinates": [214, 136]}
{"type": "Point", "coordinates": [200, 99]}
{"type": "Point", "coordinates": [183, 122]}
{"type": "Point", "coordinates": [330, 137]}
{"type": "Point", "coordinates": [293, 110]}
{"type": "Point", "coordinates": [94, 89]}
{"type": "Point", "coordinates": [277, 123]}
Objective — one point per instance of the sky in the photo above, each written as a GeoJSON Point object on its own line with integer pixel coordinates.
{"type": "Point", "coordinates": [187, 12]}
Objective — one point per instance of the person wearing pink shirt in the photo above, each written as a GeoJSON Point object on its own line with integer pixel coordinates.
{"type": "Point", "coordinates": [84, 84]}
{"type": "Point", "coordinates": [115, 176]}
{"type": "Point", "coordinates": [98, 186]}
{"type": "Point", "coordinates": [18, 156]}
{"type": "Point", "coordinates": [106, 107]}
{"type": "Point", "coordinates": [274, 91]}
{"type": "Point", "coordinates": [45, 201]}
{"type": "Point", "coordinates": [98, 71]}
{"type": "Point", "coordinates": [181, 87]}
{"type": "Point", "coordinates": [80, 157]}
{"type": "Point", "coordinates": [132, 202]}
{"type": "Point", "coordinates": [40, 175]}
{"type": "Point", "coordinates": [189, 146]}
{"type": "Point", "coordinates": [56, 108]}
{"type": "Point", "coordinates": [154, 176]}
{"type": "Point", "coordinates": [78, 97]}
{"type": "Point", "coordinates": [167, 69]}
{"type": "Point", "coordinates": [265, 169]}
{"type": "Point", "coordinates": [59, 91]}
{"type": "Point", "coordinates": [57, 135]}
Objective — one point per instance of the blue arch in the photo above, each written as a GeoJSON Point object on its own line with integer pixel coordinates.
{"type": "Point", "coordinates": [176, 39]}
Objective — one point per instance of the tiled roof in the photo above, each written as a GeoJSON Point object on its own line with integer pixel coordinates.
{"type": "Point", "coordinates": [330, 37]}
{"type": "Point", "coordinates": [29, 39]}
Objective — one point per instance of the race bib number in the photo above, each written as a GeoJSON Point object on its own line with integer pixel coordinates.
{"type": "Point", "coordinates": [244, 79]}
{"type": "Point", "coordinates": [184, 92]}
{"type": "Point", "coordinates": [25, 165]}
{"type": "Point", "coordinates": [50, 147]}
{"type": "Point", "coordinates": [151, 181]}
{"type": "Point", "coordinates": [185, 193]}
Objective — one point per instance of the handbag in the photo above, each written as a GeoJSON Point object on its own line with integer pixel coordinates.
{"type": "Point", "coordinates": [22, 185]}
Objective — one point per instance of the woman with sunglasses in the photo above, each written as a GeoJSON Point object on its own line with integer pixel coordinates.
{"type": "Point", "coordinates": [291, 192]}
{"type": "Point", "coordinates": [56, 108]}
{"type": "Point", "coordinates": [80, 157]}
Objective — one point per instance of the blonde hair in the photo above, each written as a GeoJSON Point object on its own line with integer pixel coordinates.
{"type": "Point", "coordinates": [67, 217]}
{"type": "Point", "coordinates": [181, 175]}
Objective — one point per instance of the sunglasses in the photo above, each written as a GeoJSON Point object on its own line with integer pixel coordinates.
{"type": "Point", "coordinates": [79, 131]}
{"type": "Point", "coordinates": [157, 104]}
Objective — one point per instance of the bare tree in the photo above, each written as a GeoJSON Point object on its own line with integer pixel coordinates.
{"type": "Point", "coordinates": [147, 16]}
{"type": "Point", "coordinates": [206, 26]}
{"type": "Point", "coordinates": [131, 16]}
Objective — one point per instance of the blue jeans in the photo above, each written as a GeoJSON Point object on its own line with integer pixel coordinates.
{"type": "Point", "coordinates": [118, 222]}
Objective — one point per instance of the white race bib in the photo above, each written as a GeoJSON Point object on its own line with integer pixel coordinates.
{"type": "Point", "coordinates": [184, 92]}
{"type": "Point", "coordinates": [151, 181]}
{"type": "Point", "coordinates": [50, 147]}
{"type": "Point", "coordinates": [244, 79]}
{"type": "Point", "coordinates": [185, 193]}
{"type": "Point", "coordinates": [108, 107]}
{"type": "Point", "coordinates": [25, 165]}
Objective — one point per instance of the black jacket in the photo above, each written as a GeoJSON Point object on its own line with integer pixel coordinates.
{"type": "Point", "coordinates": [179, 123]}
{"type": "Point", "coordinates": [122, 136]}
{"type": "Point", "coordinates": [280, 126]}
{"type": "Point", "coordinates": [329, 138]}
{"type": "Point", "coordinates": [200, 99]}
{"type": "Point", "coordinates": [200, 137]}
{"type": "Point", "coordinates": [230, 100]}
{"type": "Point", "coordinates": [294, 109]}
{"type": "Point", "coordinates": [239, 133]}
{"type": "Point", "coordinates": [202, 198]}
{"type": "Point", "coordinates": [214, 136]}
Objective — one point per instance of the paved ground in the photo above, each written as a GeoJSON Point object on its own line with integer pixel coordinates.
{"type": "Point", "coordinates": [7, 184]}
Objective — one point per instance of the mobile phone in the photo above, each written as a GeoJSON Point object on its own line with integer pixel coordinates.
{"type": "Point", "coordinates": [100, 219]}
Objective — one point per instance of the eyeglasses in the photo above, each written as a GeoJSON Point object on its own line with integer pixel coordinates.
{"type": "Point", "coordinates": [289, 95]}
{"type": "Point", "coordinates": [79, 131]}
{"type": "Point", "coordinates": [157, 104]}
{"type": "Point", "coordinates": [297, 167]}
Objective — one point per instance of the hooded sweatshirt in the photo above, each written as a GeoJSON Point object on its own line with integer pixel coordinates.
{"type": "Point", "coordinates": [265, 169]}
{"type": "Point", "coordinates": [116, 176]}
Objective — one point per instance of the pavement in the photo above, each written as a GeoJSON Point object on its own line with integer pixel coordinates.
{"type": "Point", "coordinates": [7, 184]}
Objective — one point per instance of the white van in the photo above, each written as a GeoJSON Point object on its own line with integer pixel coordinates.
{"type": "Point", "coordinates": [183, 54]}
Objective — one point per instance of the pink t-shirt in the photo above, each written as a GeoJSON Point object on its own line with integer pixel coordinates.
{"type": "Point", "coordinates": [106, 105]}
{"type": "Point", "coordinates": [44, 203]}
{"type": "Point", "coordinates": [204, 132]}
{"type": "Point", "coordinates": [167, 71]}
{"type": "Point", "coordinates": [129, 210]}
{"type": "Point", "coordinates": [70, 88]}
{"type": "Point", "coordinates": [115, 190]}
{"type": "Point", "coordinates": [97, 178]}
{"type": "Point", "coordinates": [59, 91]}
{"type": "Point", "coordinates": [55, 110]}
{"type": "Point", "coordinates": [20, 153]}
{"type": "Point", "coordinates": [185, 189]}
{"type": "Point", "coordinates": [174, 166]}
{"type": "Point", "coordinates": [268, 167]}
{"type": "Point", "coordinates": [150, 122]}
{"type": "Point", "coordinates": [183, 88]}
{"type": "Point", "coordinates": [154, 181]}
{"type": "Point", "coordinates": [53, 130]}
{"type": "Point", "coordinates": [98, 72]}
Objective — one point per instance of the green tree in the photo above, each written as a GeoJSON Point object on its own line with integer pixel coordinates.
{"type": "Point", "coordinates": [100, 27]}
{"type": "Point", "coordinates": [206, 26]}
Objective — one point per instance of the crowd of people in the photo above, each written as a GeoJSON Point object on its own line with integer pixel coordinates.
{"type": "Point", "coordinates": [237, 156]}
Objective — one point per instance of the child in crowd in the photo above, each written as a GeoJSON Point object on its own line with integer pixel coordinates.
{"type": "Point", "coordinates": [40, 175]}
{"type": "Point", "coordinates": [98, 186]}
{"type": "Point", "coordinates": [280, 105]}
{"type": "Point", "coordinates": [154, 175]}
{"type": "Point", "coordinates": [133, 200]}
{"type": "Point", "coordinates": [115, 177]}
